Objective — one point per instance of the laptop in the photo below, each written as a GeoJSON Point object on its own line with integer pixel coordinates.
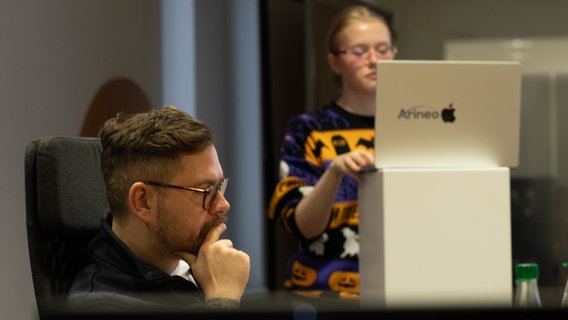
{"type": "Point", "coordinates": [447, 114]}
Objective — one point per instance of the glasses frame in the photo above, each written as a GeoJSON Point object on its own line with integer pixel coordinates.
{"type": "Point", "coordinates": [220, 186]}
{"type": "Point", "coordinates": [381, 49]}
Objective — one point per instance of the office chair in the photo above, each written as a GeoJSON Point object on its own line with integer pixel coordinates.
{"type": "Point", "coordinates": [65, 200]}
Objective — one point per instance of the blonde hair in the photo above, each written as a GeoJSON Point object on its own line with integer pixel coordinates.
{"type": "Point", "coordinates": [348, 15]}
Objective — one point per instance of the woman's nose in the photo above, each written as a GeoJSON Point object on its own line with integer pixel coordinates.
{"type": "Point", "coordinates": [373, 55]}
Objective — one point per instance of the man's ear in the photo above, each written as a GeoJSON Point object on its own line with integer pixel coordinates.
{"type": "Point", "coordinates": [140, 200]}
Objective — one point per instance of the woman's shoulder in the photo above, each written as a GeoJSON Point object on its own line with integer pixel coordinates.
{"type": "Point", "coordinates": [328, 117]}
{"type": "Point", "coordinates": [319, 115]}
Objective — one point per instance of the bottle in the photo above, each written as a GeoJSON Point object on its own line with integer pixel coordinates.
{"type": "Point", "coordinates": [527, 294]}
{"type": "Point", "coordinates": [564, 303]}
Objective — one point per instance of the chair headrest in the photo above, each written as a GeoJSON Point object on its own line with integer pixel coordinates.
{"type": "Point", "coordinates": [70, 196]}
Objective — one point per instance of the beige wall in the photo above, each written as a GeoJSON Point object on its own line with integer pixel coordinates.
{"type": "Point", "coordinates": [54, 56]}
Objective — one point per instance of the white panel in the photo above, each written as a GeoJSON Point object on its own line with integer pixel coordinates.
{"type": "Point", "coordinates": [436, 238]}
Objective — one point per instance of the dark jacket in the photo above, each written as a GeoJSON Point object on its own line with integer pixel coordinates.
{"type": "Point", "coordinates": [118, 279]}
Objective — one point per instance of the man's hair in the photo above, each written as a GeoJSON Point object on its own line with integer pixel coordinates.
{"type": "Point", "coordinates": [147, 146]}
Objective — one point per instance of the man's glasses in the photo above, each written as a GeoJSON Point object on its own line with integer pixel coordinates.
{"type": "Point", "coordinates": [363, 51]}
{"type": "Point", "coordinates": [209, 194]}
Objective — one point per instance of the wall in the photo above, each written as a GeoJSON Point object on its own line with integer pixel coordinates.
{"type": "Point", "coordinates": [284, 58]}
{"type": "Point", "coordinates": [422, 26]}
{"type": "Point", "coordinates": [228, 99]}
{"type": "Point", "coordinates": [54, 56]}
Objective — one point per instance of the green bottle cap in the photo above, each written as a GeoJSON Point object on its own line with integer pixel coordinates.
{"type": "Point", "coordinates": [526, 271]}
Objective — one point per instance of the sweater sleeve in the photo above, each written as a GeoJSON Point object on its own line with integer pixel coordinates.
{"type": "Point", "coordinates": [299, 170]}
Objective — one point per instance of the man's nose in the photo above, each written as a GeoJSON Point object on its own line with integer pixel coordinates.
{"type": "Point", "coordinates": [221, 204]}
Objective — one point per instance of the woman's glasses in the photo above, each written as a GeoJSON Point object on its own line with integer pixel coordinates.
{"type": "Point", "coordinates": [362, 50]}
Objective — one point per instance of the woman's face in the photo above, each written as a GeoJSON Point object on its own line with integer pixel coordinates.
{"type": "Point", "coordinates": [360, 45]}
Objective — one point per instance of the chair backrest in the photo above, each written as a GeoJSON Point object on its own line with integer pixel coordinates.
{"type": "Point", "coordinates": [65, 200]}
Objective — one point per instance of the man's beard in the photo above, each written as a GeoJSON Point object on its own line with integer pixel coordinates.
{"type": "Point", "coordinates": [176, 239]}
{"type": "Point", "coordinates": [204, 230]}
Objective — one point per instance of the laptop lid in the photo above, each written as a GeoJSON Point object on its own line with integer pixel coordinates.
{"type": "Point", "coordinates": [447, 114]}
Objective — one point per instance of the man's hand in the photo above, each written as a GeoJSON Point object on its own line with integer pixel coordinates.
{"type": "Point", "coordinates": [221, 270]}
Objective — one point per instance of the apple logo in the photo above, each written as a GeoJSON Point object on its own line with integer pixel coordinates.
{"type": "Point", "coordinates": [448, 114]}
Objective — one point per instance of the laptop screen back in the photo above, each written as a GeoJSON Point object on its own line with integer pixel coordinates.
{"type": "Point", "coordinates": [447, 114]}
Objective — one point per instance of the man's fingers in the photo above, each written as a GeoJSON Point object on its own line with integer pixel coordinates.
{"type": "Point", "coordinates": [226, 242]}
{"type": "Point", "coordinates": [214, 234]}
{"type": "Point", "coordinates": [211, 237]}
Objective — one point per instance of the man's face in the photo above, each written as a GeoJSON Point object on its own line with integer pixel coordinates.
{"type": "Point", "coordinates": [181, 221]}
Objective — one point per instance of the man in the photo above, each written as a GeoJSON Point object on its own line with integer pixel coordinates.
{"type": "Point", "coordinates": [160, 243]}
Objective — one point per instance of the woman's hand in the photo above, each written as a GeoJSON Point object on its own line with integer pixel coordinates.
{"type": "Point", "coordinates": [351, 163]}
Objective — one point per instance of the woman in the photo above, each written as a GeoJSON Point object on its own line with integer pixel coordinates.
{"type": "Point", "coordinates": [322, 156]}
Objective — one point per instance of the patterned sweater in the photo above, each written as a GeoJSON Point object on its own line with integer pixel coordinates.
{"type": "Point", "coordinates": [329, 261]}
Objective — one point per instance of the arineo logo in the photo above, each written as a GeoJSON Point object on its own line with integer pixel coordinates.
{"type": "Point", "coordinates": [418, 112]}
{"type": "Point", "coordinates": [448, 113]}
{"type": "Point", "coordinates": [424, 112]}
